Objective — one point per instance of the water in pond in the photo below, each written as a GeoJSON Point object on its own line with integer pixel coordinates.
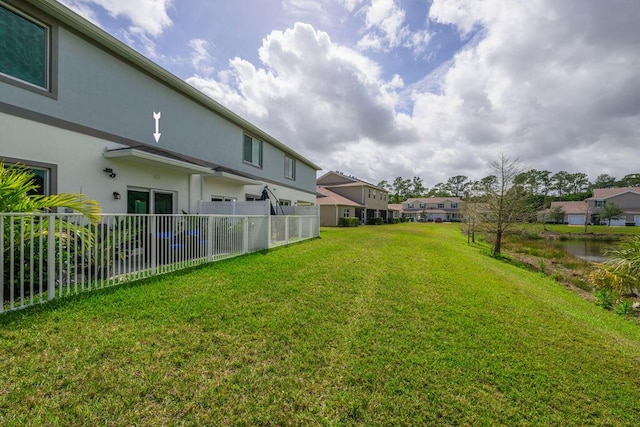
{"type": "Point", "coordinates": [589, 250]}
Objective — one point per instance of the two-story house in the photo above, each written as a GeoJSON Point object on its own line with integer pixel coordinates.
{"type": "Point", "coordinates": [365, 200]}
{"type": "Point", "coordinates": [89, 114]}
{"type": "Point", "coordinates": [626, 198]}
{"type": "Point", "coordinates": [432, 209]}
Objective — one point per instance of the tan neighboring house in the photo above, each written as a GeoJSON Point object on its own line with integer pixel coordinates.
{"type": "Point", "coordinates": [627, 198]}
{"type": "Point", "coordinates": [333, 206]}
{"type": "Point", "coordinates": [575, 213]}
{"type": "Point", "coordinates": [369, 201]}
{"type": "Point", "coordinates": [433, 209]}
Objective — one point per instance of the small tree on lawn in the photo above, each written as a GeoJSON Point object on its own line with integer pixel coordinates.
{"type": "Point", "coordinates": [611, 211]}
{"type": "Point", "coordinates": [557, 215]}
{"type": "Point", "coordinates": [505, 203]}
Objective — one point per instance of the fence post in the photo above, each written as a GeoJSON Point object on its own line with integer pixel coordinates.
{"type": "Point", "coordinates": [51, 257]}
{"type": "Point", "coordinates": [286, 229]}
{"type": "Point", "coordinates": [153, 253]}
{"type": "Point", "coordinates": [269, 242]}
{"type": "Point", "coordinates": [245, 235]}
{"type": "Point", "coordinates": [210, 220]}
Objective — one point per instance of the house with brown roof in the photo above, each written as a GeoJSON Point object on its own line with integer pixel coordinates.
{"type": "Point", "coordinates": [368, 201]}
{"type": "Point", "coordinates": [575, 213]}
{"type": "Point", "coordinates": [626, 198]}
{"type": "Point", "coordinates": [433, 209]}
{"type": "Point", "coordinates": [333, 206]}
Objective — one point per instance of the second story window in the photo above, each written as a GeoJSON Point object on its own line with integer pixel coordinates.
{"type": "Point", "coordinates": [440, 205]}
{"type": "Point", "coordinates": [454, 206]}
{"type": "Point", "coordinates": [423, 205]}
{"type": "Point", "coordinates": [252, 151]}
{"type": "Point", "coordinates": [410, 206]}
{"type": "Point", "coordinates": [600, 203]}
{"type": "Point", "coordinates": [24, 50]}
{"type": "Point", "coordinates": [289, 167]}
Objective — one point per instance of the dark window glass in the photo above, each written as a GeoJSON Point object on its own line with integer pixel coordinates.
{"type": "Point", "coordinates": [137, 202]}
{"type": "Point", "coordinates": [23, 48]}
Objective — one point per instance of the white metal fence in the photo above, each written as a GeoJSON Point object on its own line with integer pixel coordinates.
{"type": "Point", "coordinates": [46, 256]}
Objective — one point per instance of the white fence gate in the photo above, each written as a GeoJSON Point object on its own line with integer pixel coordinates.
{"type": "Point", "coordinates": [45, 256]}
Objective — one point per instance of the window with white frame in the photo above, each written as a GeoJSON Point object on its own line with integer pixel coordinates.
{"type": "Point", "coordinates": [285, 202]}
{"type": "Point", "coordinates": [454, 206]}
{"type": "Point", "coordinates": [600, 203]}
{"type": "Point", "coordinates": [252, 151]}
{"type": "Point", "coordinates": [289, 167]}
{"type": "Point", "coordinates": [440, 205]}
{"type": "Point", "coordinates": [25, 49]}
{"type": "Point", "coordinates": [423, 205]}
{"type": "Point", "coordinates": [410, 206]}
{"type": "Point", "coordinates": [146, 201]}
{"type": "Point", "coordinates": [346, 213]}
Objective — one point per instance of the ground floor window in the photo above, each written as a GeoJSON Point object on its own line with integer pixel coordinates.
{"type": "Point", "coordinates": [346, 212]}
{"type": "Point", "coordinates": [144, 201]}
{"type": "Point", "coordinates": [45, 175]}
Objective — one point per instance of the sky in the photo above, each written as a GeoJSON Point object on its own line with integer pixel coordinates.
{"type": "Point", "coordinates": [386, 88]}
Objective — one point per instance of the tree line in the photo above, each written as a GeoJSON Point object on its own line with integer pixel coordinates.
{"type": "Point", "coordinates": [541, 184]}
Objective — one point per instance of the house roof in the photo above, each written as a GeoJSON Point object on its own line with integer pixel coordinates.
{"type": "Point", "coordinates": [570, 208]}
{"type": "Point", "coordinates": [351, 181]}
{"type": "Point", "coordinates": [433, 199]}
{"type": "Point", "coordinates": [329, 198]}
{"type": "Point", "coordinates": [119, 49]}
{"type": "Point", "coordinates": [395, 206]}
{"type": "Point", "coordinates": [606, 193]}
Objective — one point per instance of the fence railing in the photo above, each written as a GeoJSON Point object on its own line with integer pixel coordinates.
{"type": "Point", "coordinates": [45, 256]}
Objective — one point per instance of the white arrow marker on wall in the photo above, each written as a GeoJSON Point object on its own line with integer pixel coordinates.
{"type": "Point", "coordinates": [156, 117]}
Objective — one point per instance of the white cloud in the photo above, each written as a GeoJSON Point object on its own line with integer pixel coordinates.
{"type": "Point", "coordinates": [150, 16]}
{"type": "Point", "coordinates": [554, 83]}
{"type": "Point", "coordinates": [384, 26]}
{"type": "Point", "coordinates": [313, 94]}
{"type": "Point", "coordinates": [201, 59]}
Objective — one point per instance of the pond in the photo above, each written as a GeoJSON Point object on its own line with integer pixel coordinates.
{"type": "Point", "coordinates": [588, 250]}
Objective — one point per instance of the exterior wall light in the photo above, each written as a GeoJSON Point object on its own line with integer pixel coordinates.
{"type": "Point", "coordinates": [110, 171]}
{"type": "Point", "coordinates": [116, 195]}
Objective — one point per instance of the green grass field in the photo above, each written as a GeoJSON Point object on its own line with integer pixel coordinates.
{"type": "Point", "coordinates": [381, 325]}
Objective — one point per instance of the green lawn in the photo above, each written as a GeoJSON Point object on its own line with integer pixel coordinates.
{"type": "Point", "coordinates": [381, 325]}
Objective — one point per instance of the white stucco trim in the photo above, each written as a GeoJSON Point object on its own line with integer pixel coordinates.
{"type": "Point", "coordinates": [149, 159]}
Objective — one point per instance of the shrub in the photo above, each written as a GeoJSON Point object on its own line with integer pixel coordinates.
{"type": "Point", "coordinates": [624, 308]}
{"type": "Point", "coordinates": [605, 299]}
{"type": "Point", "coordinates": [348, 222]}
{"type": "Point", "coordinates": [374, 221]}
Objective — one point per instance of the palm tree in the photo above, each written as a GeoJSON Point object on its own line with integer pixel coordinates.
{"type": "Point", "coordinates": [17, 187]}
{"type": "Point", "coordinates": [621, 271]}
{"type": "Point", "coordinates": [30, 234]}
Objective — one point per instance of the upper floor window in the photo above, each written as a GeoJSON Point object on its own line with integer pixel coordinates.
{"type": "Point", "coordinates": [289, 167]}
{"type": "Point", "coordinates": [423, 205]}
{"type": "Point", "coordinates": [410, 206]}
{"type": "Point", "coordinates": [454, 206]}
{"type": "Point", "coordinates": [252, 151]}
{"type": "Point", "coordinates": [24, 49]}
{"type": "Point", "coordinates": [369, 193]}
{"type": "Point", "coordinates": [374, 194]}
{"type": "Point", "coordinates": [600, 203]}
{"type": "Point", "coordinates": [440, 205]}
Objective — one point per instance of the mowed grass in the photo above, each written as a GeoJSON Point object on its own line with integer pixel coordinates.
{"type": "Point", "coordinates": [381, 325]}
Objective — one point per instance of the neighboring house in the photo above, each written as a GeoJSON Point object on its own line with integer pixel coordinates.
{"type": "Point", "coordinates": [433, 209]}
{"type": "Point", "coordinates": [89, 114]}
{"type": "Point", "coordinates": [575, 213]}
{"type": "Point", "coordinates": [626, 198]}
{"type": "Point", "coordinates": [372, 199]}
{"type": "Point", "coordinates": [333, 206]}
